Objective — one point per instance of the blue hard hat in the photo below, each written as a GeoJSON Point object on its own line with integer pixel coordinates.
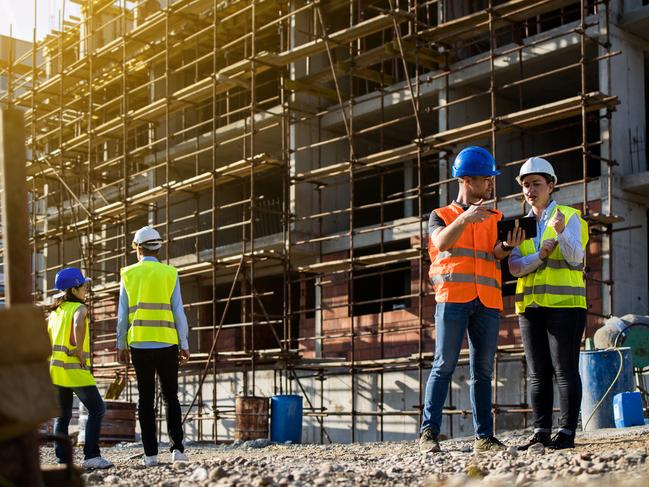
{"type": "Point", "coordinates": [474, 161]}
{"type": "Point", "coordinates": [69, 277]}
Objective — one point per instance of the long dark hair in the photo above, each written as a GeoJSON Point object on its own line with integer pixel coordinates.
{"type": "Point", "coordinates": [68, 297]}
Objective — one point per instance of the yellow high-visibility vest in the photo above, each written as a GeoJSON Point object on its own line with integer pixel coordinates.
{"type": "Point", "coordinates": [556, 283]}
{"type": "Point", "coordinates": [65, 368]}
{"type": "Point", "coordinates": [149, 286]}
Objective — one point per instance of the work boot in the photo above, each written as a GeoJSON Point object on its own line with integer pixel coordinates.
{"type": "Point", "coordinates": [429, 442]}
{"type": "Point", "coordinates": [488, 443]}
{"type": "Point", "coordinates": [537, 437]}
{"type": "Point", "coordinates": [561, 441]}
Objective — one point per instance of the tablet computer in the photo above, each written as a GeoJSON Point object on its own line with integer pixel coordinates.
{"type": "Point", "coordinates": [527, 222]}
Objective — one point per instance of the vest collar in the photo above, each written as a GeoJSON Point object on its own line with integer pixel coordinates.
{"type": "Point", "coordinates": [548, 210]}
{"type": "Point", "coordinates": [460, 205]}
{"type": "Point", "coordinates": [149, 258]}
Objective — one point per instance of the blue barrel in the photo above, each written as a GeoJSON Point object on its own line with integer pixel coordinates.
{"type": "Point", "coordinates": [286, 418]}
{"type": "Point", "coordinates": [598, 369]}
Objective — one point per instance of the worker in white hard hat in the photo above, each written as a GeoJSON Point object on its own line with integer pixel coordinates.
{"type": "Point", "coordinates": [151, 324]}
{"type": "Point", "coordinates": [551, 304]}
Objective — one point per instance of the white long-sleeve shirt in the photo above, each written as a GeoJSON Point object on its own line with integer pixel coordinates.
{"type": "Point", "coordinates": [569, 243]}
{"type": "Point", "coordinates": [179, 318]}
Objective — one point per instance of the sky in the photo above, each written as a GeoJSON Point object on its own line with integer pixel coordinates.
{"type": "Point", "coordinates": [19, 14]}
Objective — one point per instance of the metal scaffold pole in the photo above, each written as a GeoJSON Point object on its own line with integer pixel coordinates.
{"type": "Point", "coordinates": [291, 153]}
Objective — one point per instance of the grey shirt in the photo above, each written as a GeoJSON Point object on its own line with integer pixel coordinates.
{"type": "Point", "coordinates": [435, 221]}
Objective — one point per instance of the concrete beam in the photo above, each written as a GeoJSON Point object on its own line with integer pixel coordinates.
{"type": "Point", "coordinates": [636, 22]}
{"type": "Point", "coordinates": [463, 73]}
{"type": "Point", "coordinates": [636, 183]}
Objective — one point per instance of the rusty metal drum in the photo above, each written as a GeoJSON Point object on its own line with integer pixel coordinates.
{"type": "Point", "coordinates": [251, 421]}
{"type": "Point", "coordinates": [118, 423]}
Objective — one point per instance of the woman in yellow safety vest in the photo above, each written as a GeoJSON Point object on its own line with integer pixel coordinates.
{"type": "Point", "coordinates": [551, 304]}
{"type": "Point", "coordinates": [70, 364]}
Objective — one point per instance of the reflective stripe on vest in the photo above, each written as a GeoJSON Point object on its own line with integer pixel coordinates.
{"type": "Point", "coordinates": [149, 286]}
{"type": "Point", "coordinates": [560, 264]}
{"type": "Point", "coordinates": [65, 369]}
{"type": "Point", "coordinates": [469, 269]}
{"type": "Point", "coordinates": [69, 351]}
{"type": "Point", "coordinates": [548, 289]}
{"type": "Point", "coordinates": [485, 281]}
{"type": "Point", "coordinates": [65, 365]}
{"type": "Point", "coordinates": [460, 252]}
{"type": "Point", "coordinates": [154, 323]}
{"type": "Point", "coordinates": [555, 283]}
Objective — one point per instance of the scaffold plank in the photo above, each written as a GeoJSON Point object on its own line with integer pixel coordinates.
{"type": "Point", "coordinates": [477, 23]}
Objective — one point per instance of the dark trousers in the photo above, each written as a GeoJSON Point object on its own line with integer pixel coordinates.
{"type": "Point", "coordinates": [164, 362]}
{"type": "Point", "coordinates": [552, 337]}
{"type": "Point", "coordinates": [91, 399]}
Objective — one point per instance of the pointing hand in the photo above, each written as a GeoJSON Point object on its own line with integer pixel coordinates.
{"type": "Point", "coordinates": [558, 221]}
{"type": "Point", "coordinates": [476, 213]}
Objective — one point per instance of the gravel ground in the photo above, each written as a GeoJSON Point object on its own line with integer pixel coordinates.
{"type": "Point", "coordinates": [617, 457]}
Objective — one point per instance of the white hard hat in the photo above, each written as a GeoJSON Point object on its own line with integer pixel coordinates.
{"type": "Point", "coordinates": [536, 165]}
{"type": "Point", "coordinates": [147, 237]}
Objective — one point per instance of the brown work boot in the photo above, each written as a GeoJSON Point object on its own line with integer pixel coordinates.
{"type": "Point", "coordinates": [429, 442]}
{"type": "Point", "coordinates": [488, 443]}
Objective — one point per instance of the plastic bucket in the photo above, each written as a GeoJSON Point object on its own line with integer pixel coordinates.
{"type": "Point", "coordinates": [286, 419]}
{"type": "Point", "coordinates": [251, 418]}
{"type": "Point", "coordinates": [598, 369]}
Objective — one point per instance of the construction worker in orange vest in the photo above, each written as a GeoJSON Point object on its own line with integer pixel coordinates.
{"type": "Point", "coordinates": [465, 272]}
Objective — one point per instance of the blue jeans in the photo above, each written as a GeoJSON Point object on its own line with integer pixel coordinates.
{"type": "Point", "coordinates": [452, 320]}
{"type": "Point", "coordinates": [89, 396]}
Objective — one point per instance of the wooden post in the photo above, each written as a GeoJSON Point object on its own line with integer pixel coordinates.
{"type": "Point", "coordinates": [27, 395]}
{"type": "Point", "coordinates": [15, 219]}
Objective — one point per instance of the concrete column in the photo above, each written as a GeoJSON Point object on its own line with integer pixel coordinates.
{"type": "Point", "coordinates": [444, 163]}
{"type": "Point", "coordinates": [317, 344]}
{"type": "Point", "coordinates": [301, 133]}
{"type": "Point", "coordinates": [408, 183]}
{"type": "Point", "coordinates": [625, 132]}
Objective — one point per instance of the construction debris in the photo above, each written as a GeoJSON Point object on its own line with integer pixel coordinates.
{"type": "Point", "coordinates": [618, 456]}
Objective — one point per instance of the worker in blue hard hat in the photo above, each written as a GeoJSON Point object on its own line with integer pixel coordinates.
{"type": "Point", "coordinates": [67, 326]}
{"type": "Point", "coordinates": [465, 273]}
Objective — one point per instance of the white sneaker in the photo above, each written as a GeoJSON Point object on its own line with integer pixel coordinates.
{"type": "Point", "coordinates": [178, 456]}
{"type": "Point", "coordinates": [96, 462]}
{"type": "Point", "coordinates": [151, 461]}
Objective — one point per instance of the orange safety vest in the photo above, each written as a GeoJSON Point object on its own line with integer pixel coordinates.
{"type": "Point", "coordinates": [467, 270]}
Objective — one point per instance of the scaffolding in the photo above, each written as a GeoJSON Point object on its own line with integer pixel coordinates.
{"type": "Point", "coordinates": [290, 152]}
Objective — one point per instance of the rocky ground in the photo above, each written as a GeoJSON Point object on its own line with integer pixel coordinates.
{"type": "Point", "coordinates": [610, 458]}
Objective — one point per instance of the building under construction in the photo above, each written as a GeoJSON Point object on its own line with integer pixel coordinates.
{"type": "Point", "coordinates": [290, 153]}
